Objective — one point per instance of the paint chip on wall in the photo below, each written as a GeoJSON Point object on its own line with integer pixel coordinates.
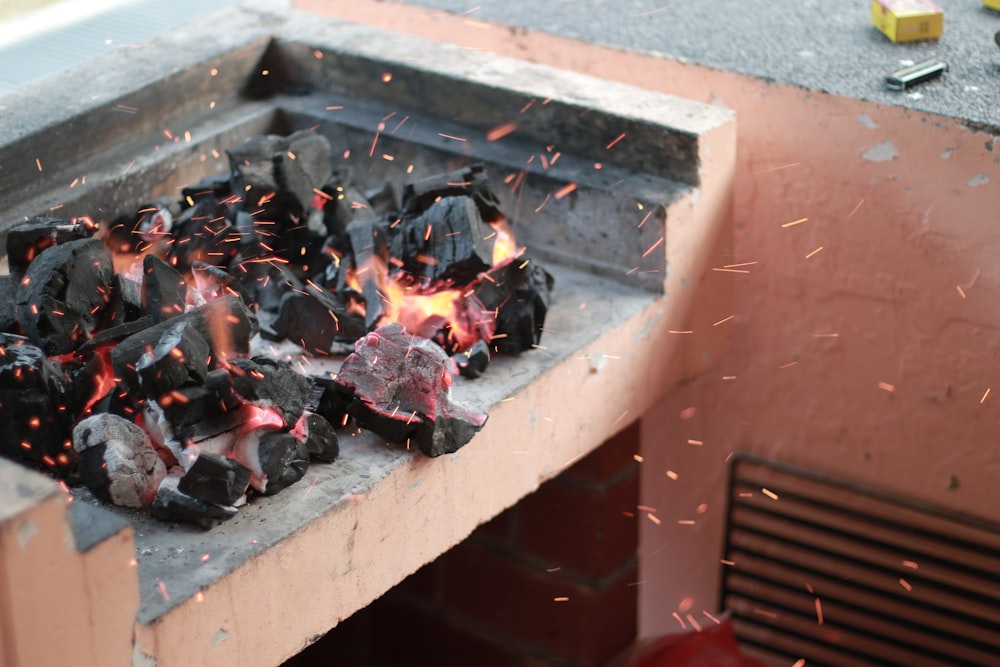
{"type": "Point", "coordinates": [982, 178]}
{"type": "Point", "coordinates": [883, 151]}
{"type": "Point", "coordinates": [866, 121]}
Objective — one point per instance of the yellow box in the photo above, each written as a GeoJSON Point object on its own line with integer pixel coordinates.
{"type": "Point", "coordinates": [909, 20]}
{"type": "Point", "coordinates": [992, 4]}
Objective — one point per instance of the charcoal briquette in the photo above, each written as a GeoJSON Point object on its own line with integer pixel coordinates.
{"type": "Point", "coordinates": [117, 460]}
{"type": "Point", "coordinates": [171, 504]}
{"type": "Point", "coordinates": [215, 479]}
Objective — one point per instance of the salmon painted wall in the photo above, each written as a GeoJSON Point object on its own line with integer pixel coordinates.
{"type": "Point", "coordinates": [864, 338]}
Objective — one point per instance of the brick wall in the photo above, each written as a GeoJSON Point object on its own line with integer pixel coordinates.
{"type": "Point", "coordinates": [550, 582]}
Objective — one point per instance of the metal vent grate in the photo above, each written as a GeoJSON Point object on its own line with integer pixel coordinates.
{"type": "Point", "coordinates": [840, 575]}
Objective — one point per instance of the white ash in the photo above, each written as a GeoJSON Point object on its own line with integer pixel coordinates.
{"type": "Point", "coordinates": [134, 469]}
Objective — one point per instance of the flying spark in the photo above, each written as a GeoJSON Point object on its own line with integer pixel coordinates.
{"type": "Point", "coordinates": [163, 590]}
{"type": "Point", "coordinates": [983, 399]}
{"type": "Point", "coordinates": [885, 386]}
{"type": "Point", "coordinates": [814, 252]}
{"type": "Point", "coordinates": [784, 166]}
{"type": "Point", "coordinates": [615, 141]}
{"type": "Point", "coordinates": [696, 443]}
{"type": "Point", "coordinates": [723, 321]}
{"type": "Point", "coordinates": [565, 190]}
{"type": "Point", "coordinates": [769, 493]}
{"type": "Point", "coordinates": [653, 247]}
{"type": "Point", "coordinates": [961, 292]}
{"type": "Point", "coordinates": [819, 612]}
{"type": "Point", "coordinates": [448, 136]}
{"type": "Point", "coordinates": [906, 585]}
{"type": "Point", "coordinates": [795, 222]}
{"type": "Point", "coordinates": [855, 209]}
{"type": "Point", "coordinates": [501, 131]}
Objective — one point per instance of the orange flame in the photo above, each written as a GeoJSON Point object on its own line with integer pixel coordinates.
{"type": "Point", "coordinates": [504, 246]}
{"type": "Point", "coordinates": [427, 311]}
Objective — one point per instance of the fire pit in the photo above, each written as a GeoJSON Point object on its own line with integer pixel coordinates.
{"type": "Point", "coordinates": [590, 175]}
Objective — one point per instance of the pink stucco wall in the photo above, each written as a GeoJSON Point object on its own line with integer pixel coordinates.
{"type": "Point", "coordinates": [868, 359]}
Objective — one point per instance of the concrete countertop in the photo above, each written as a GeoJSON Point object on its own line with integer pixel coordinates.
{"type": "Point", "coordinates": [820, 45]}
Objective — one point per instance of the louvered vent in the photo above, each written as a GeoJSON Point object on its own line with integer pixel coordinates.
{"type": "Point", "coordinates": [834, 574]}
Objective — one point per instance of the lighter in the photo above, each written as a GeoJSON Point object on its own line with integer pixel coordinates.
{"type": "Point", "coordinates": [925, 70]}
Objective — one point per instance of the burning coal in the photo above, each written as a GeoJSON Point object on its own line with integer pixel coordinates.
{"type": "Point", "coordinates": [127, 361]}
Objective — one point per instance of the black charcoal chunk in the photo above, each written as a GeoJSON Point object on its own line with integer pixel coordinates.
{"type": "Point", "coordinates": [213, 282]}
{"type": "Point", "coordinates": [398, 386]}
{"type": "Point", "coordinates": [267, 451]}
{"type": "Point", "coordinates": [284, 460]}
{"type": "Point", "coordinates": [215, 479]}
{"type": "Point", "coordinates": [178, 357]}
{"type": "Point", "coordinates": [320, 437]}
{"type": "Point", "coordinates": [225, 323]}
{"type": "Point", "coordinates": [151, 224]}
{"type": "Point", "coordinates": [446, 241]}
{"type": "Point", "coordinates": [315, 319]}
{"type": "Point", "coordinates": [127, 299]}
{"type": "Point", "coordinates": [33, 428]}
{"type": "Point", "coordinates": [115, 334]}
{"type": "Point", "coordinates": [214, 188]}
{"type": "Point", "coordinates": [369, 247]}
{"type": "Point", "coordinates": [519, 291]}
{"type": "Point", "coordinates": [295, 165]}
{"type": "Point", "coordinates": [8, 308]}
{"type": "Point", "coordinates": [271, 384]}
{"type": "Point", "coordinates": [472, 181]}
{"type": "Point", "coordinates": [164, 290]}
{"type": "Point", "coordinates": [473, 362]}
{"type": "Point", "coordinates": [200, 411]}
{"type": "Point", "coordinates": [171, 504]}
{"type": "Point", "coordinates": [64, 293]}
{"type": "Point", "coordinates": [204, 232]}
{"type": "Point", "coordinates": [27, 240]}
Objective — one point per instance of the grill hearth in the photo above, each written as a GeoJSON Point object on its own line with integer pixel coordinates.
{"type": "Point", "coordinates": [622, 193]}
